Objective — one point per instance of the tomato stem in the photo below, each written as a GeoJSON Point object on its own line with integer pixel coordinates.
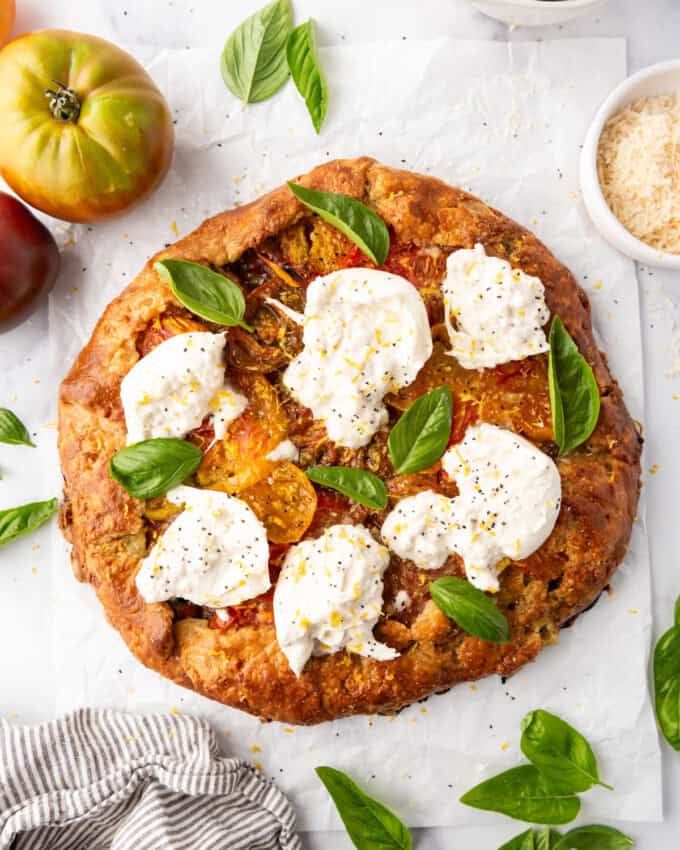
{"type": "Point", "coordinates": [64, 103]}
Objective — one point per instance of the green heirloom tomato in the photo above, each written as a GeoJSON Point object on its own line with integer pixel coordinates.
{"type": "Point", "coordinates": [85, 133]}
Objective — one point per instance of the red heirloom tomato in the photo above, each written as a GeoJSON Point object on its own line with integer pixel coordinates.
{"type": "Point", "coordinates": [29, 261]}
{"type": "Point", "coordinates": [85, 133]}
{"type": "Point", "coordinates": [7, 13]}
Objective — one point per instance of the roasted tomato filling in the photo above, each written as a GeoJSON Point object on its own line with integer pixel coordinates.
{"type": "Point", "coordinates": [514, 396]}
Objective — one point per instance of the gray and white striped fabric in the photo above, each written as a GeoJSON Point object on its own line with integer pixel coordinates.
{"type": "Point", "coordinates": [105, 779]}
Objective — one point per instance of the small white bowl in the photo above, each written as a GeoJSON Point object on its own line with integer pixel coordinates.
{"type": "Point", "coordinates": [663, 78]}
{"type": "Point", "coordinates": [536, 13]}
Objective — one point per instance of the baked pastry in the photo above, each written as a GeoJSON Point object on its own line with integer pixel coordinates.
{"type": "Point", "coordinates": [404, 648]}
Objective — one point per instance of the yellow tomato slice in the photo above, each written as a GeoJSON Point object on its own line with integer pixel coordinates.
{"type": "Point", "coordinates": [284, 502]}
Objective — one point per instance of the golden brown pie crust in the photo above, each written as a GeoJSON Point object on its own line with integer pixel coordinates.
{"type": "Point", "coordinates": [244, 667]}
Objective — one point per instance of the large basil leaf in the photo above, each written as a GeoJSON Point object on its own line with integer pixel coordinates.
{"type": "Point", "coordinates": [303, 61]}
{"type": "Point", "coordinates": [15, 522]}
{"type": "Point", "coordinates": [153, 467]}
{"type": "Point", "coordinates": [359, 484]}
{"type": "Point", "coordinates": [471, 608]}
{"type": "Point", "coordinates": [254, 63]}
{"type": "Point", "coordinates": [359, 223]}
{"type": "Point", "coordinates": [574, 394]}
{"type": "Point", "coordinates": [205, 292]}
{"type": "Point", "coordinates": [594, 838]}
{"type": "Point", "coordinates": [13, 430]}
{"type": "Point", "coordinates": [667, 682]}
{"type": "Point", "coordinates": [525, 794]}
{"type": "Point", "coordinates": [369, 824]}
{"type": "Point", "coordinates": [421, 435]}
{"type": "Point", "coordinates": [561, 753]}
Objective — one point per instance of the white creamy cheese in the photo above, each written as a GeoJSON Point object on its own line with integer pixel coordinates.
{"type": "Point", "coordinates": [285, 450]}
{"type": "Point", "coordinates": [170, 391]}
{"type": "Point", "coordinates": [366, 333]}
{"type": "Point", "coordinates": [421, 529]}
{"type": "Point", "coordinates": [329, 596]}
{"type": "Point", "coordinates": [508, 502]}
{"type": "Point", "coordinates": [499, 311]}
{"type": "Point", "coordinates": [214, 553]}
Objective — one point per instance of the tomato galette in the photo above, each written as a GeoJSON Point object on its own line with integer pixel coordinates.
{"type": "Point", "coordinates": [345, 447]}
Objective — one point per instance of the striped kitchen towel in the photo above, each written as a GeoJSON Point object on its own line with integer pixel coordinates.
{"type": "Point", "coordinates": [101, 779]}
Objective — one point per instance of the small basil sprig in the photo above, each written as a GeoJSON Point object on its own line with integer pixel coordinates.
{"type": "Point", "coordinates": [369, 824]}
{"type": "Point", "coordinates": [594, 838]}
{"type": "Point", "coordinates": [359, 223]}
{"type": "Point", "coordinates": [15, 522]}
{"type": "Point", "coordinates": [667, 681]}
{"type": "Point", "coordinates": [581, 838]}
{"type": "Point", "coordinates": [254, 63]}
{"type": "Point", "coordinates": [205, 292]}
{"type": "Point", "coordinates": [152, 467]}
{"type": "Point", "coordinates": [471, 608]}
{"type": "Point", "coordinates": [525, 794]}
{"type": "Point", "coordinates": [421, 435]}
{"type": "Point", "coordinates": [532, 839]}
{"type": "Point", "coordinates": [561, 753]}
{"type": "Point", "coordinates": [307, 73]}
{"type": "Point", "coordinates": [360, 485]}
{"type": "Point", "coordinates": [13, 430]}
{"type": "Point", "coordinates": [574, 394]}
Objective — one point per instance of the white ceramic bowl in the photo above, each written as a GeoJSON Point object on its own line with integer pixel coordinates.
{"type": "Point", "coordinates": [663, 78]}
{"type": "Point", "coordinates": [536, 13]}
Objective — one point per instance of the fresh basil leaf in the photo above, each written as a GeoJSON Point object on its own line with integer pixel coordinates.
{"type": "Point", "coordinates": [421, 435]}
{"type": "Point", "coordinates": [254, 65]}
{"type": "Point", "coordinates": [525, 794]}
{"type": "Point", "coordinates": [359, 223]}
{"type": "Point", "coordinates": [667, 682]}
{"type": "Point", "coordinates": [153, 467]}
{"type": "Point", "coordinates": [523, 841]}
{"type": "Point", "coordinates": [205, 292]}
{"type": "Point", "coordinates": [360, 485]}
{"type": "Point", "coordinates": [305, 68]}
{"type": "Point", "coordinates": [594, 838]}
{"type": "Point", "coordinates": [574, 394]}
{"type": "Point", "coordinates": [13, 430]}
{"type": "Point", "coordinates": [15, 522]}
{"type": "Point", "coordinates": [561, 753]}
{"type": "Point", "coordinates": [369, 824]}
{"type": "Point", "coordinates": [471, 608]}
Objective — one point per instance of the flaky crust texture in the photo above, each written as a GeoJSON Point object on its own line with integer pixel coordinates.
{"type": "Point", "coordinates": [244, 667]}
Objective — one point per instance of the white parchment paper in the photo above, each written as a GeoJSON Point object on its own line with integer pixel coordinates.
{"type": "Point", "coordinates": [506, 121]}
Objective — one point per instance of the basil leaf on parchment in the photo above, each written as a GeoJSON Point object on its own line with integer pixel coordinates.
{"type": "Point", "coordinates": [307, 73]}
{"type": "Point", "coordinates": [254, 65]}
{"type": "Point", "coordinates": [525, 794]}
{"type": "Point", "coordinates": [369, 824]}
{"type": "Point", "coordinates": [561, 753]}
{"type": "Point", "coordinates": [15, 522]}
{"type": "Point", "coordinates": [13, 430]}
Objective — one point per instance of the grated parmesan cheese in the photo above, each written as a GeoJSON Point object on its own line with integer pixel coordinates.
{"type": "Point", "coordinates": [638, 164]}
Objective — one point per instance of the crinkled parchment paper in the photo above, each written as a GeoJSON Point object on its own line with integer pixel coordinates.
{"type": "Point", "coordinates": [506, 121]}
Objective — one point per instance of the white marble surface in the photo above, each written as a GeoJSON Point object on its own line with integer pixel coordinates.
{"type": "Point", "coordinates": [652, 28]}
